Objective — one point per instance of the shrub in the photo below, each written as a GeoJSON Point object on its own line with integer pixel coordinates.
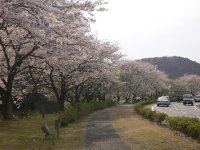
{"type": "Point", "coordinates": [85, 108]}
{"type": "Point", "coordinates": [160, 117]}
{"type": "Point", "coordinates": [110, 103]}
{"type": "Point", "coordinates": [189, 126]}
{"type": "Point", "coordinates": [148, 113]}
{"type": "Point", "coordinates": [138, 108]}
{"type": "Point", "coordinates": [152, 115]}
{"type": "Point", "coordinates": [173, 122]}
{"type": "Point", "coordinates": [194, 130]}
{"type": "Point", "coordinates": [145, 112]}
{"type": "Point", "coordinates": [96, 105]}
{"type": "Point", "coordinates": [73, 112]}
{"type": "Point", "coordinates": [63, 120]}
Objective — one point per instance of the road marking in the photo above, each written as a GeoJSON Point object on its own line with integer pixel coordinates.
{"type": "Point", "coordinates": [152, 108]}
{"type": "Point", "coordinates": [175, 107]}
{"type": "Point", "coordinates": [181, 112]}
{"type": "Point", "coordinates": [184, 112]}
{"type": "Point", "coordinates": [196, 108]}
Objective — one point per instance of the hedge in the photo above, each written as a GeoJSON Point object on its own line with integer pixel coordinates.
{"type": "Point", "coordinates": [148, 113]}
{"type": "Point", "coordinates": [186, 125]}
{"type": "Point", "coordinates": [73, 112]}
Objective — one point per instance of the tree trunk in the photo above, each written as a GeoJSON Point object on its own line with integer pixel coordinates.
{"type": "Point", "coordinates": [42, 107]}
{"type": "Point", "coordinates": [61, 106]}
{"type": "Point", "coordinates": [103, 97]}
{"type": "Point", "coordinates": [8, 107]}
{"type": "Point", "coordinates": [77, 95]}
{"type": "Point", "coordinates": [8, 101]}
{"type": "Point", "coordinates": [118, 98]}
{"type": "Point", "coordinates": [61, 100]}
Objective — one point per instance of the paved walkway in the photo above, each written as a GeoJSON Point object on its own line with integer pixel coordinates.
{"type": "Point", "coordinates": [100, 135]}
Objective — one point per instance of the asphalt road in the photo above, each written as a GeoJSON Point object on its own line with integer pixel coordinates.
{"type": "Point", "coordinates": [99, 133]}
{"type": "Point", "coordinates": [178, 109]}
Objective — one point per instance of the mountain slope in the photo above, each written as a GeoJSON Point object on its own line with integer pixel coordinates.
{"type": "Point", "coordinates": [175, 66]}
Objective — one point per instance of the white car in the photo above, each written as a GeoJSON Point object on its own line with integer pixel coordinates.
{"type": "Point", "coordinates": [163, 101]}
{"type": "Point", "coordinates": [167, 98]}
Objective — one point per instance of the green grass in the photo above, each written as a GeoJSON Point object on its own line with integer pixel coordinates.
{"type": "Point", "coordinates": [26, 134]}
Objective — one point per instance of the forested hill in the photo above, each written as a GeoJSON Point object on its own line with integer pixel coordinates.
{"type": "Point", "coordinates": [175, 66]}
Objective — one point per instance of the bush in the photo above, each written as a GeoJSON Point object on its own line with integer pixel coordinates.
{"type": "Point", "coordinates": [173, 122]}
{"type": "Point", "coordinates": [110, 103]}
{"type": "Point", "coordinates": [189, 126]}
{"type": "Point", "coordinates": [97, 105]}
{"type": "Point", "coordinates": [160, 117]}
{"type": "Point", "coordinates": [148, 113]}
{"type": "Point", "coordinates": [73, 112]}
{"type": "Point", "coordinates": [63, 120]}
{"type": "Point", "coordinates": [146, 102]}
{"type": "Point", "coordinates": [85, 108]}
{"type": "Point", "coordinates": [152, 115]}
{"type": "Point", "coordinates": [138, 108]}
{"type": "Point", "coordinates": [145, 112]}
{"type": "Point", "coordinates": [194, 130]}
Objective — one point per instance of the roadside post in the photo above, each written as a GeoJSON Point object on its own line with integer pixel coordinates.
{"type": "Point", "coordinates": [57, 127]}
{"type": "Point", "coordinates": [46, 130]}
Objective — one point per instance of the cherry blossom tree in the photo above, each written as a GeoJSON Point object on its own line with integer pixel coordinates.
{"type": "Point", "coordinates": [93, 89]}
{"type": "Point", "coordinates": [141, 78]}
{"type": "Point", "coordinates": [16, 46]}
{"type": "Point", "coordinates": [90, 61]}
{"type": "Point", "coordinates": [34, 29]}
{"type": "Point", "coordinates": [177, 87]}
{"type": "Point", "coordinates": [117, 89]}
{"type": "Point", "coordinates": [190, 83]}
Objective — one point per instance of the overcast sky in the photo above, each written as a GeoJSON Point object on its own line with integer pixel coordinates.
{"type": "Point", "coordinates": [152, 28]}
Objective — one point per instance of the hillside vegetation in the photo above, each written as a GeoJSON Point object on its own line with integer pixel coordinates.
{"type": "Point", "coordinates": [175, 66]}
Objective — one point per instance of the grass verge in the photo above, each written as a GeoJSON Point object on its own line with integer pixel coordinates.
{"type": "Point", "coordinates": [142, 134]}
{"type": "Point", "coordinates": [26, 134]}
